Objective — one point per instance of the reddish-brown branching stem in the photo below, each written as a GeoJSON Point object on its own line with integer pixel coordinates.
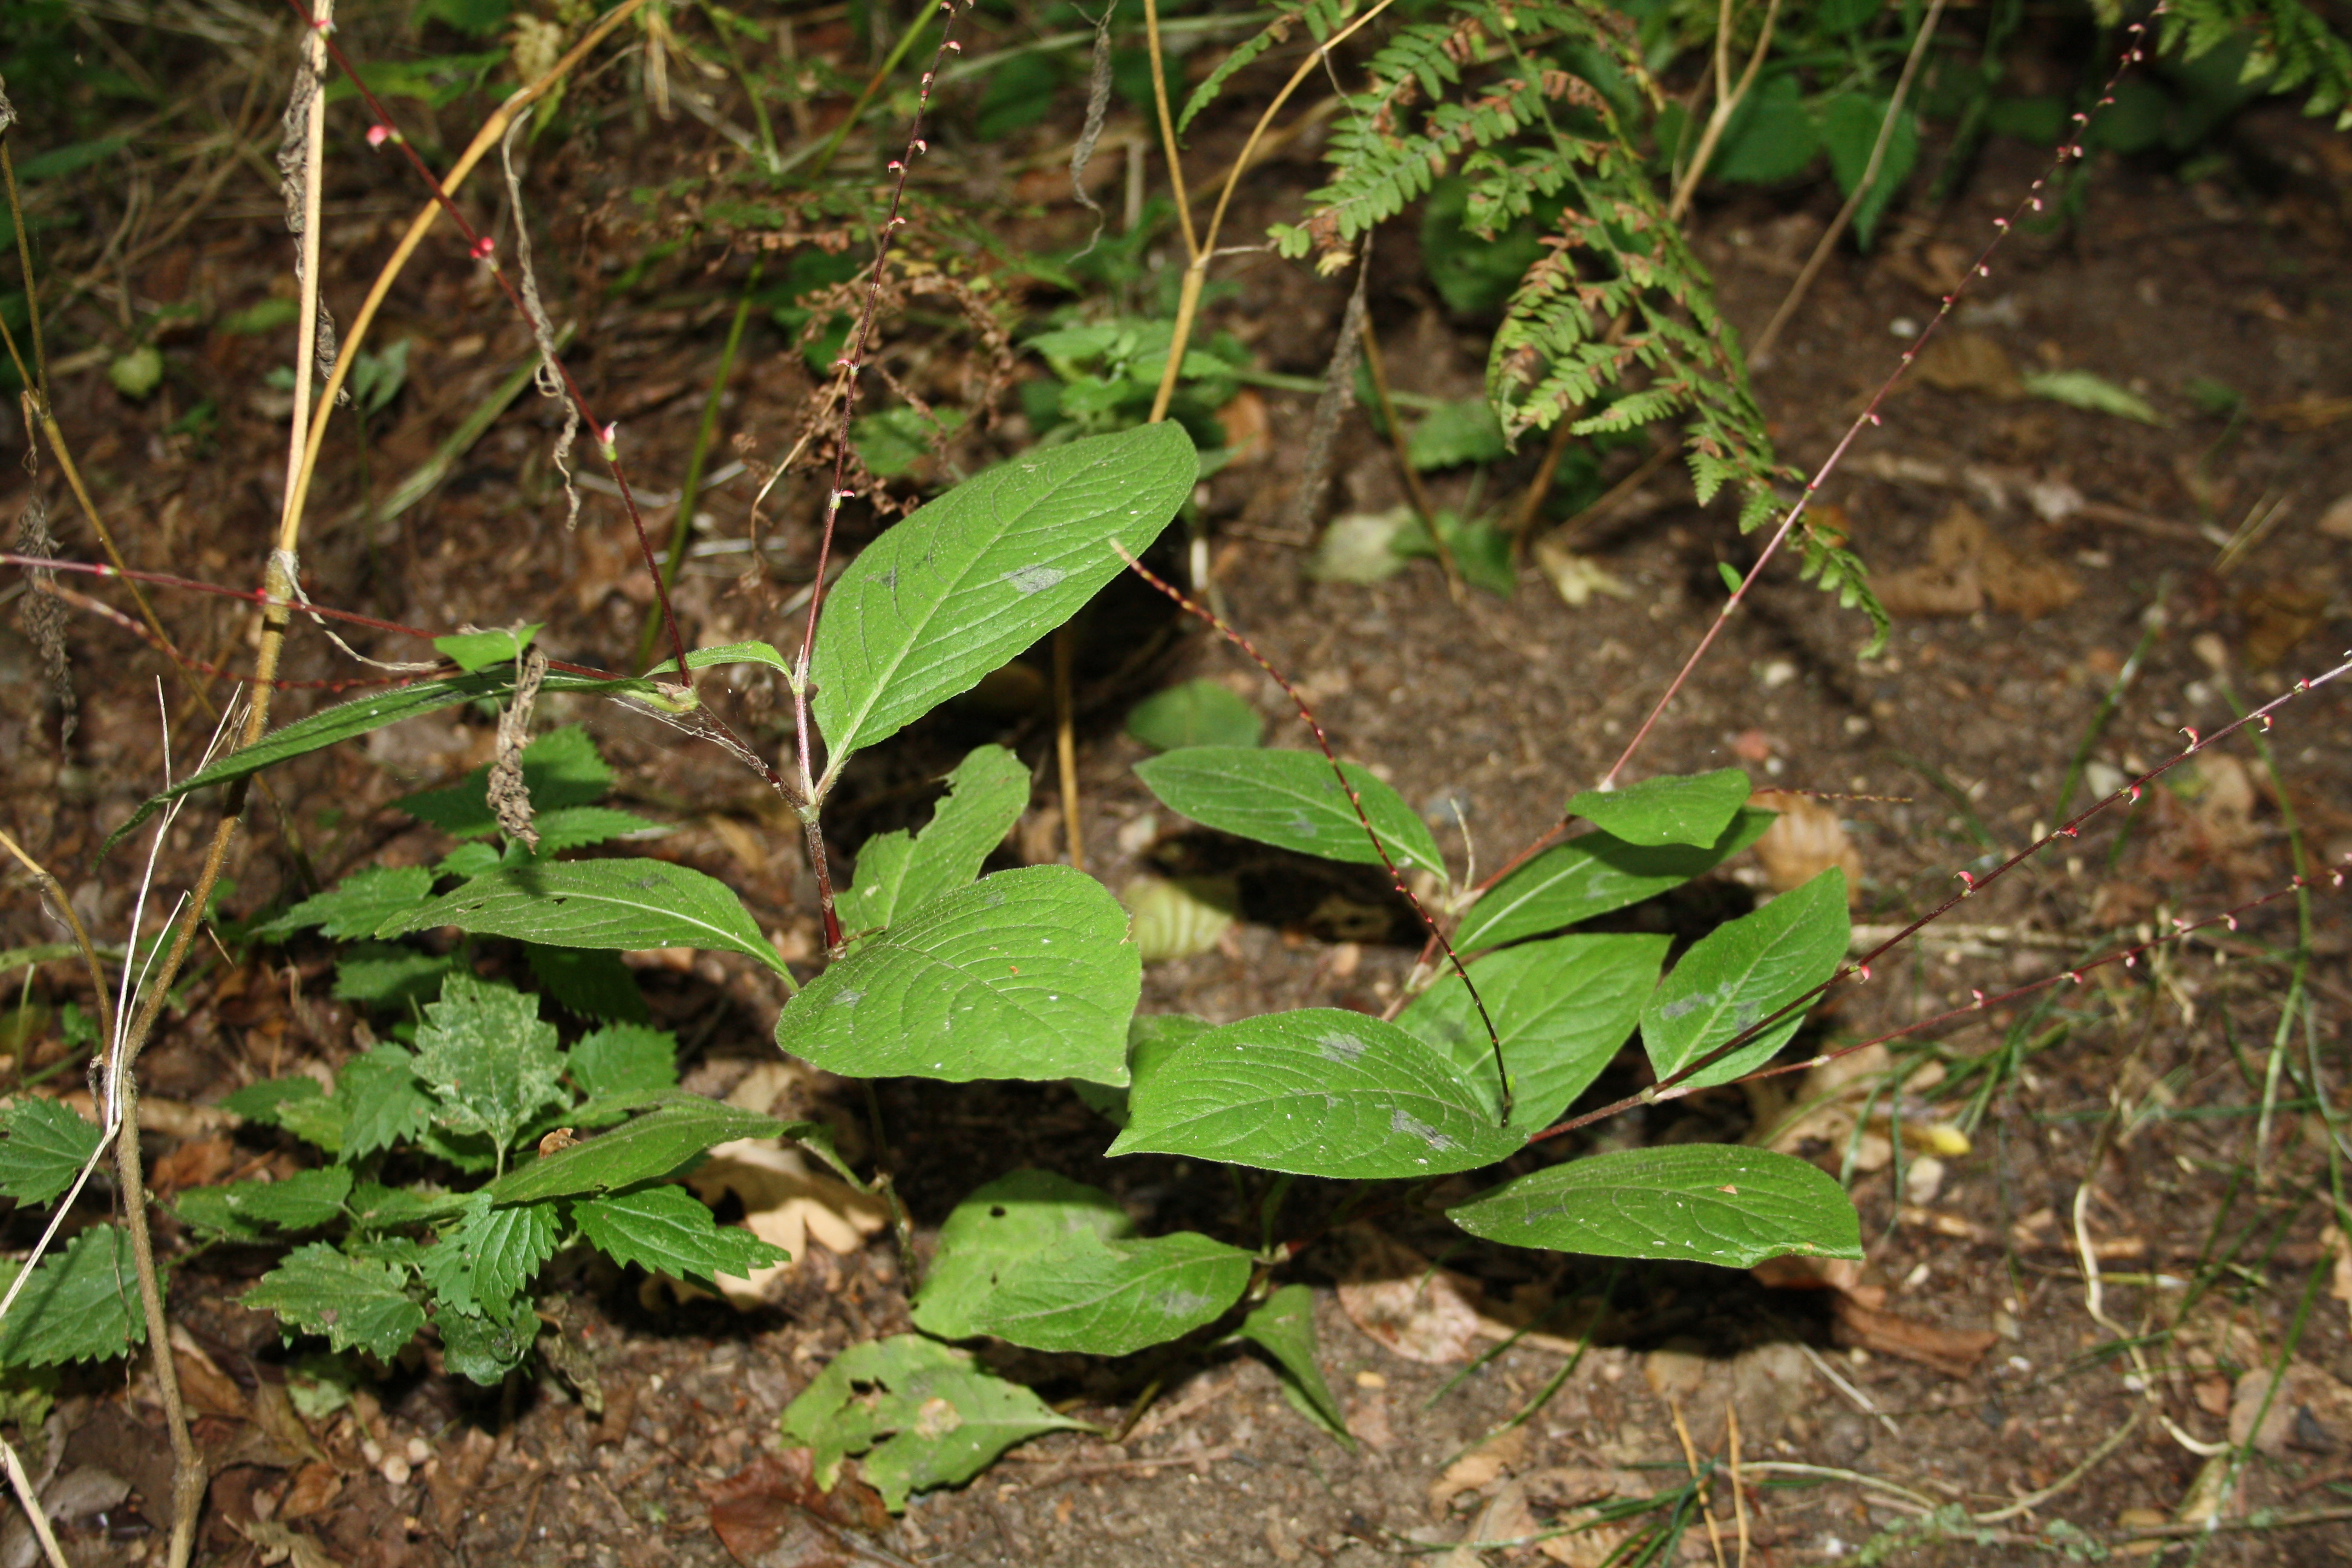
{"type": "Point", "coordinates": [1363, 818]}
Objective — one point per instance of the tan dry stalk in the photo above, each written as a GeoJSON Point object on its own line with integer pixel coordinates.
{"type": "Point", "coordinates": [1831, 236]}
{"type": "Point", "coordinates": [1725, 105]}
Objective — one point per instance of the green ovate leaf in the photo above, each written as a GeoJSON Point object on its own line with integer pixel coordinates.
{"type": "Point", "coordinates": [81, 1303]}
{"type": "Point", "coordinates": [355, 906]}
{"type": "Point", "coordinates": [667, 1230]}
{"type": "Point", "coordinates": [354, 1301]}
{"type": "Point", "coordinates": [1053, 1264]}
{"type": "Point", "coordinates": [1851, 124]}
{"type": "Point", "coordinates": [1692, 810]}
{"type": "Point", "coordinates": [374, 1206]}
{"type": "Point", "coordinates": [1692, 1203]}
{"type": "Point", "coordinates": [1291, 800]}
{"type": "Point", "coordinates": [643, 1150]}
{"type": "Point", "coordinates": [920, 1413]}
{"type": "Point", "coordinates": [622, 904]}
{"type": "Point", "coordinates": [349, 719]}
{"type": "Point", "coordinates": [1284, 1326]}
{"type": "Point", "coordinates": [1320, 1092]}
{"type": "Point", "coordinates": [1195, 714]}
{"type": "Point", "coordinates": [471, 651]}
{"type": "Point", "coordinates": [981, 572]}
{"type": "Point", "coordinates": [1027, 974]}
{"type": "Point", "coordinates": [623, 1058]}
{"type": "Point", "coordinates": [262, 1101]}
{"type": "Point", "coordinates": [488, 1059]}
{"type": "Point", "coordinates": [44, 1144]}
{"type": "Point", "coordinates": [1561, 1007]}
{"type": "Point", "coordinates": [899, 873]}
{"type": "Point", "coordinates": [1591, 876]}
{"type": "Point", "coordinates": [560, 769]}
{"type": "Point", "coordinates": [1743, 971]}
{"type": "Point", "coordinates": [1150, 1037]}
{"type": "Point", "coordinates": [1453, 434]}
{"type": "Point", "coordinates": [483, 1263]}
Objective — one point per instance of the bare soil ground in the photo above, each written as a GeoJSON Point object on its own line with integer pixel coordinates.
{"type": "Point", "coordinates": [2063, 1312]}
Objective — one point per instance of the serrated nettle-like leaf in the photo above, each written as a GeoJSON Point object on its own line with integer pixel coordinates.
{"type": "Point", "coordinates": [1592, 875]}
{"type": "Point", "coordinates": [1743, 971]}
{"type": "Point", "coordinates": [624, 905]}
{"type": "Point", "coordinates": [44, 1144]}
{"type": "Point", "coordinates": [645, 1149]}
{"type": "Point", "coordinates": [898, 872]}
{"type": "Point", "coordinates": [1319, 1092]}
{"type": "Point", "coordinates": [1052, 1264]}
{"type": "Point", "coordinates": [1695, 1203]}
{"type": "Point", "coordinates": [384, 974]}
{"type": "Point", "coordinates": [1290, 799]}
{"type": "Point", "coordinates": [921, 1413]}
{"type": "Point", "coordinates": [1195, 714]}
{"type": "Point", "coordinates": [355, 906]}
{"type": "Point", "coordinates": [488, 1059]}
{"type": "Point", "coordinates": [482, 1349]}
{"type": "Point", "coordinates": [623, 1058]}
{"type": "Point", "coordinates": [1027, 974]}
{"type": "Point", "coordinates": [561, 769]}
{"type": "Point", "coordinates": [350, 720]}
{"type": "Point", "coordinates": [482, 1264]}
{"type": "Point", "coordinates": [378, 1101]}
{"type": "Point", "coordinates": [1283, 1325]}
{"type": "Point", "coordinates": [81, 1303]}
{"type": "Point", "coordinates": [577, 826]}
{"type": "Point", "coordinates": [1692, 809]}
{"type": "Point", "coordinates": [981, 572]}
{"type": "Point", "coordinates": [374, 1206]}
{"type": "Point", "coordinates": [302, 1201]}
{"type": "Point", "coordinates": [261, 1102]}
{"type": "Point", "coordinates": [589, 982]}
{"type": "Point", "coordinates": [352, 1300]}
{"type": "Point", "coordinates": [665, 1229]}
{"type": "Point", "coordinates": [1561, 1008]}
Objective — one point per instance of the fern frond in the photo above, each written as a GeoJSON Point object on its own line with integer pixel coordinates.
{"type": "Point", "coordinates": [2292, 49]}
{"type": "Point", "coordinates": [1322, 17]}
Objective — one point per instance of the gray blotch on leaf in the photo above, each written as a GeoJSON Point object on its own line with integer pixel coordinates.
{"type": "Point", "coordinates": [1335, 1046]}
{"type": "Point", "coordinates": [1401, 1121]}
{"type": "Point", "coordinates": [1035, 579]}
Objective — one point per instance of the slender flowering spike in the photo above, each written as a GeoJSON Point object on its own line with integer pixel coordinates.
{"type": "Point", "coordinates": [605, 443]}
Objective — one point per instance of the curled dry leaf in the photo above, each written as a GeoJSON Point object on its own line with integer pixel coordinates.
{"type": "Point", "coordinates": [1576, 578]}
{"type": "Point", "coordinates": [1805, 839]}
{"type": "Point", "coordinates": [770, 1515]}
{"type": "Point", "coordinates": [1968, 362]}
{"type": "Point", "coordinates": [785, 1204]}
{"type": "Point", "coordinates": [1478, 1469]}
{"type": "Point", "coordinates": [1968, 567]}
{"type": "Point", "coordinates": [2310, 1410]}
{"type": "Point", "coordinates": [1404, 1302]}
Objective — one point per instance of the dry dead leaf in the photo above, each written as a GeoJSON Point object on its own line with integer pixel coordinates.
{"type": "Point", "coordinates": [1968, 362]}
{"type": "Point", "coordinates": [785, 1204]}
{"type": "Point", "coordinates": [1576, 578]}
{"type": "Point", "coordinates": [198, 1162]}
{"type": "Point", "coordinates": [2336, 522]}
{"type": "Point", "coordinates": [1572, 1493]}
{"type": "Point", "coordinates": [1968, 567]}
{"type": "Point", "coordinates": [313, 1488]}
{"type": "Point", "coordinates": [1505, 1517]}
{"type": "Point", "coordinates": [1478, 1469]}
{"type": "Point", "coordinates": [1805, 840]}
{"type": "Point", "coordinates": [1955, 1353]}
{"type": "Point", "coordinates": [1248, 435]}
{"type": "Point", "coordinates": [2279, 615]}
{"type": "Point", "coordinates": [2311, 1409]}
{"type": "Point", "coordinates": [1405, 1303]}
{"type": "Point", "coordinates": [771, 1515]}
{"type": "Point", "coordinates": [279, 1545]}
{"type": "Point", "coordinates": [202, 1382]}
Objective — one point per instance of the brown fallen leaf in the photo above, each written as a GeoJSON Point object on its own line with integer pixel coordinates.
{"type": "Point", "coordinates": [2279, 615]}
{"type": "Point", "coordinates": [314, 1486]}
{"type": "Point", "coordinates": [1968, 566]}
{"type": "Point", "coordinates": [785, 1204]}
{"type": "Point", "coordinates": [1404, 1302]}
{"type": "Point", "coordinates": [1955, 1353]}
{"type": "Point", "coordinates": [770, 1515]}
{"type": "Point", "coordinates": [1968, 362]}
{"type": "Point", "coordinates": [1478, 1469]}
{"type": "Point", "coordinates": [202, 1382]}
{"type": "Point", "coordinates": [198, 1162]}
{"type": "Point", "coordinates": [2310, 1409]}
{"type": "Point", "coordinates": [1805, 840]}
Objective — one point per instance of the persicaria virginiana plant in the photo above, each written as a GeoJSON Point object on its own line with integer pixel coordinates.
{"type": "Point", "coordinates": [933, 970]}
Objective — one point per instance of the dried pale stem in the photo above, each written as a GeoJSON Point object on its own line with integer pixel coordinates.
{"type": "Point", "coordinates": [1168, 133]}
{"type": "Point", "coordinates": [1065, 750]}
{"type": "Point", "coordinates": [1725, 105]}
{"type": "Point", "coordinates": [1196, 273]}
{"type": "Point", "coordinates": [40, 376]}
{"type": "Point", "coordinates": [33, 1513]}
{"type": "Point", "coordinates": [57, 893]}
{"type": "Point", "coordinates": [1762, 348]}
{"type": "Point", "coordinates": [1698, 1479]}
{"type": "Point", "coordinates": [1414, 488]}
